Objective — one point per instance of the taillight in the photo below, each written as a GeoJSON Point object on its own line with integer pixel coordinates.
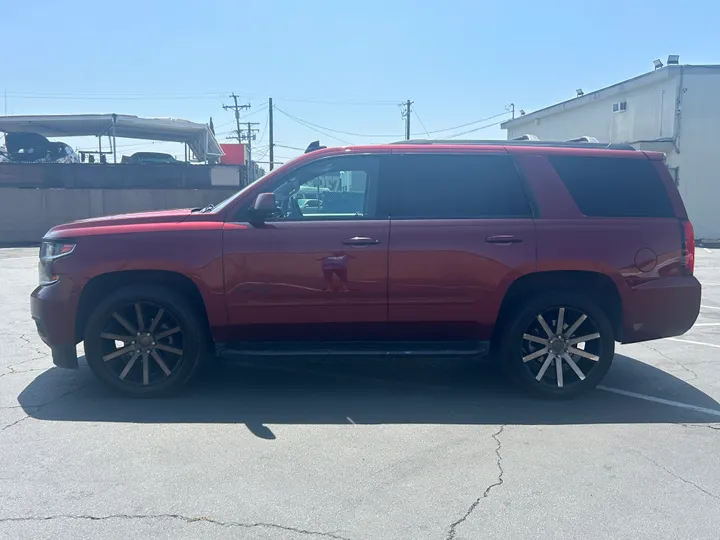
{"type": "Point", "coordinates": [688, 247]}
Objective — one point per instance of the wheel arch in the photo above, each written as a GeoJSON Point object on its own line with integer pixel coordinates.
{"type": "Point", "coordinates": [100, 286]}
{"type": "Point", "coordinates": [599, 286]}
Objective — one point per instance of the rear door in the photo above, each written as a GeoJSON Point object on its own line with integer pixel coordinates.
{"type": "Point", "coordinates": [461, 231]}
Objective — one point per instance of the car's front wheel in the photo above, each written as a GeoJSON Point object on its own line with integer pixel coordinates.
{"type": "Point", "coordinates": [145, 341]}
{"type": "Point", "coordinates": [558, 344]}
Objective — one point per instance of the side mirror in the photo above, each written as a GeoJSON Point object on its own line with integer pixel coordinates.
{"type": "Point", "coordinates": [263, 207]}
{"type": "Point", "coordinates": [265, 203]}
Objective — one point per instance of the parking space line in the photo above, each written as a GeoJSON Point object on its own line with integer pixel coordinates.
{"type": "Point", "coordinates": [18, 258]}
{"type": "Point", "coordinates": [706, 324]}
{"type": "Point", "coordinates": [679, 405]}
{"type": "Point", "coordinates": [693, 342]}
{"type": "Point", "coordinates": [709, 307]}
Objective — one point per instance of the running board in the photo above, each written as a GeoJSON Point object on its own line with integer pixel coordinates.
{"type": "Point", "coordinates": [356, 348]}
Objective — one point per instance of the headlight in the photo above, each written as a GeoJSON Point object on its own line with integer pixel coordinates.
{"type": "Point", "coordinates": [49, 253]}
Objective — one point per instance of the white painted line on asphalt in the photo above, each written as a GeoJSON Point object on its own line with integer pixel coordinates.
{"type": "Point", "coordinates": [710, 307]}
{"type": "Point", "coordinates": [708, 250]}
{"type": "Point", "coordinates": [351, 421]}
{"type": "Point", "coordinates": [18, 258]}
{"type": "Point", "coordinates": [694, 342]}
{"type": "Point", "coordinates": [706, 324]}
{"type": "Point", "coordinates": [654, 399]}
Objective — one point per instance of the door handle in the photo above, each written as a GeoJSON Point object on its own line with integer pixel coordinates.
{"type": "Point", "coordinates": [360, 241]}
{"type": "Point", "coordinates": [503, 239]}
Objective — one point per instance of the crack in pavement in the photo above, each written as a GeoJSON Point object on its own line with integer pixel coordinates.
{"type": "Point", "coordinates": [13, 371]}
{"type": "Point", "coordinates": [716, 428]}
{"type": "Point", "coordinates": [38, 407]}
{"type": "Point", "coordinates": [693, 484]}
{"type": "Point", "coordinates": [452, 532]}
{"type": "Point", "coordinates": [43, 352]}
{"type": "Point", "coordinates": [179, 517]}
{"type": "Point", "coordinates": [695, 375]}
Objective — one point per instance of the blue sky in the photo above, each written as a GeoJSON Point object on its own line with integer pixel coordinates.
{"type": "Point", "coordinates": [342, 65]}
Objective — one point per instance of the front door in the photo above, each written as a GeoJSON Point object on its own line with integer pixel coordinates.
{"type": "Point", "coordinates": [318, 269]}
{"type": "Point", "coordinates": [462, 230]}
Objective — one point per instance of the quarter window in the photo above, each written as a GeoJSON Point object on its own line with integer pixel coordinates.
{"type": "Point", "coordinates": [614, 187]}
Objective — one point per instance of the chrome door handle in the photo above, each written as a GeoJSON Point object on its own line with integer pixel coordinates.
{"type": "Point", "coordinates": [503, 239]}
{"type": "Point", "coordinates": [360, 241]}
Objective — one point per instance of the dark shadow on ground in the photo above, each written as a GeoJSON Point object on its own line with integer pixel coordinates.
{"type": "Point", "coordinates": [302, 391]}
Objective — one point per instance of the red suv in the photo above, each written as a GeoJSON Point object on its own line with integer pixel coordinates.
{"type": "Point", "coordinates": [543, 254]}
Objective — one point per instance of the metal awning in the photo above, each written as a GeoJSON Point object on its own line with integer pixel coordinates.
{"type": "Point", "coordinates": [198, 137]}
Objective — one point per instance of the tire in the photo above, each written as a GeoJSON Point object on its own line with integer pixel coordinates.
{"type": "Point", "coordinates": [523, 339]}
{"type": "Point", "coordinates": [162, 356]}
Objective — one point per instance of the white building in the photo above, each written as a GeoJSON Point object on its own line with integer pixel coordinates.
{"type": "Point", "coordinates": [674, 109]}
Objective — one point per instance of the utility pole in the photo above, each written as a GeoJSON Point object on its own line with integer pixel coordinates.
{"type": "Point", "coordinates": [249, 134]}
{"type": "Point", "coordinates": [406, 115]}
{"type": "Point", "coordinates": [272, 140]}
{"type": "Point", "coordinates": [237, 108]}
{"type": "Point", "coordinates": [512, 108]}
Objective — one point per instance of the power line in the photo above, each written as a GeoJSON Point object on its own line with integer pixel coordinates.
{"type": "Point", "coordinates": [468, 124]}
{"type": "Point", "coordinates": [474, 130]}
{"type": "Point", "coordinates": [109, 97]}
{"type": "Point", "coordinates": [426, 132]}
{"type": "Point", "coordinates": [310, 126]}
{"type": "Point", "coordinates": [421, 122]}
{"type": "Point", "coordinates": [290, 147]}
{"type": "Point", "coordinates": [202, 95]}
{"type": "Point", "coordinates": [331, 129]}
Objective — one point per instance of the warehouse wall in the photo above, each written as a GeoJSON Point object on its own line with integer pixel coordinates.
{"type": "Point", "coordinates": [649, 114]}
{"type": "Point", "coordinates": [27, 214]}
{"type": "Point", "coordinates": [698, 170]}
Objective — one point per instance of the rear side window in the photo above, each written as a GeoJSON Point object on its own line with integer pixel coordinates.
{"type": "Point", "coordinates": [614, 187]}
{"type": "Point", "coordinates": [435, 186]}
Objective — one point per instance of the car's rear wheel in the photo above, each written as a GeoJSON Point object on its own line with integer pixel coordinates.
{"type": "Point", "coordinates": [145, 341]}
{"type": "Point", "coordinates": [558, 345]}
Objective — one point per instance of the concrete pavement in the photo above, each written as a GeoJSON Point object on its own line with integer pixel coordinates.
{"type": "Point", "coordinates": [300, 449]}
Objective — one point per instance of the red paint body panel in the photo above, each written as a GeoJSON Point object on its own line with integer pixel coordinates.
{"type": "Point", "coordinates": [301, 271]}
{"type": "Point", "coordinates": [420, 271]}
{"type": "Point", "coordinates": [445, 271]}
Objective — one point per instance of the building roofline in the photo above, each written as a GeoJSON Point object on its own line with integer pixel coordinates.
{"type": "Point", "coordinates": [666, 72]}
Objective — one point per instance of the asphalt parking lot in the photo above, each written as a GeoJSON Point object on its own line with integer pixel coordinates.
{"type": "Point", "coordinates": [361, 450]}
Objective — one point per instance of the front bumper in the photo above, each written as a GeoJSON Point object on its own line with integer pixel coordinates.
{"type": "Point", "coordinates": [53, 308]}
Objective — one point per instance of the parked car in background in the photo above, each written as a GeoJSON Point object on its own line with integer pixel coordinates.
{"type": "Point", "coordinates": [541, 254]}
{"type": "Point", "coordinates": [144, 158]}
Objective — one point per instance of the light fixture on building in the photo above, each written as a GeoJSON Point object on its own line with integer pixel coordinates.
{"type": "Point", "coordinates": [673, 60]}
{"type": "Point", "coordinates": [658, 63]}
{"type": "Point", "coordinates": [579, 92]}
{"type": "Point", "coordinates": [522, 112]}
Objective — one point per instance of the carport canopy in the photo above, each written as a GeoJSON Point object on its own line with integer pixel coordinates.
{"type": "Point", "coordinates": [198, 137]}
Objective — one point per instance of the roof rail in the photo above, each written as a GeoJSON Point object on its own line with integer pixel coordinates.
{"type": "Point", "coordinates": [584, 138]}
{"type": "Point", "coordinates": [547, 144]}
{"type": "Point", "coordinates": [526, 137]}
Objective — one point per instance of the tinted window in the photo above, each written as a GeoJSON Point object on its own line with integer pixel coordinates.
{"type": "Point", "coordinates": [614, 187]}
{"type": "Point", "coordinates": [437, 186]}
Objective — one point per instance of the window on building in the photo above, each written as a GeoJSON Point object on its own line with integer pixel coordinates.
{"type": "Point", "coordinates": [614, 187]}
{"type": "Point", "coordinates": [432, 186]}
